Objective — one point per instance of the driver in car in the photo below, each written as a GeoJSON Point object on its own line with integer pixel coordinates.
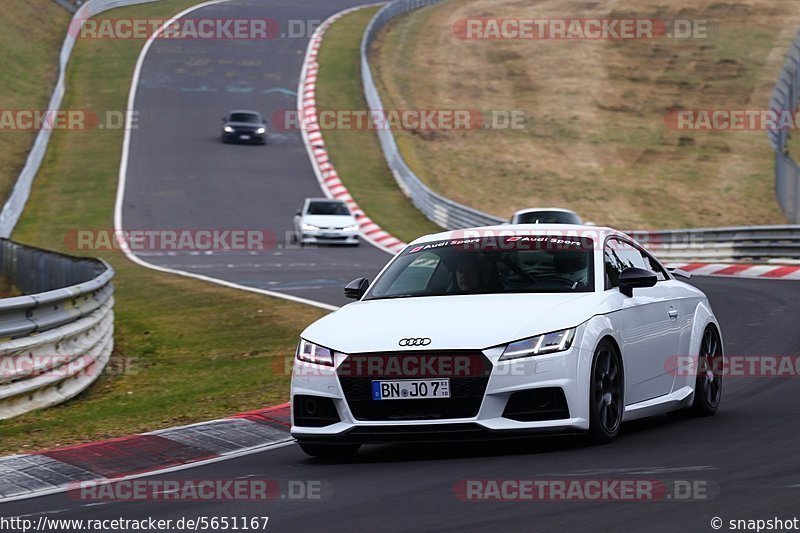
{"type": "Point", "coordinates": [572, 267]}
{"type": "Point", "coordinates": [468, 274]}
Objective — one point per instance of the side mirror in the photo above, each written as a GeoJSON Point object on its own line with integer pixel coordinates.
{"type": "Point", "coordinates": [635, 278]}
{"type": "Point", "coordinates": [298, 213]}
{"type": "Point", "coordinates": [356, 288]}
{"type": "Point", "coordinates": [358, 215]}
{"type": "Point", "coordinates": [224, 119]}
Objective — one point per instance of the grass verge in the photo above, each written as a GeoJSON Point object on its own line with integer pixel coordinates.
{"type": "Point", "coordinates": [31, 33]}
{"type": "Point", "coordinates": [357, 154]}
{"type": "Point", "coordinates": [185, 350]}
{"type": "Point", "coordinates": [596, 139]}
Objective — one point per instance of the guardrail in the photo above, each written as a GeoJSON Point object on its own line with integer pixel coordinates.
{"type": "Point", "coordinates": [442, 211]}
{"type": "Point", "coordinates": [751, 243]}
{"type": "Point", "coordinates": [15, 204]}
{"type": "Point", "coordinates": [56, 340]}
{"type": "Point", "coordinates": [721, 244]}
{"type": "Point", "coordinates": [785, 98]}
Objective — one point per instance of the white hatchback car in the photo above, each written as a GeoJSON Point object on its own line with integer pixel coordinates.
{"type": "Point", "coordinates": [322, 220]}
{"type": "Point", "coordinates": [503, 331]}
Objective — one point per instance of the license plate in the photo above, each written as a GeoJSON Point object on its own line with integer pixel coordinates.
{"type": "Point", "coordinates": [330, 235]}
{"type": "Point", "coordinates": [410, 389]}
{"type": "Point", "coordinates": [244, 137]}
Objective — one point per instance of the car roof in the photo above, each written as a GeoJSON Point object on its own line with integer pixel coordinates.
{"type": "Point", "coordinates": [322, 199]}
{"type": "Point", "coordinates": [569, 230]}
{"type": "Point", "coordinates": [244, 111]}
{"type": "Point", "coordinates": [535, 209]}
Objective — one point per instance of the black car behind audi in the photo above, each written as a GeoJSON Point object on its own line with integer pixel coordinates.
{"type": "Point", "coordinates": [243, 126]}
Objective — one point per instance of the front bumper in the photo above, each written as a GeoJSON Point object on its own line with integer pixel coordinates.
{"type": "Point", "coordinates": [555, 373]}
{"type": "Point", "coordinates": [329, 236]}
{"type": "Point", "coordinates": [244, 137]}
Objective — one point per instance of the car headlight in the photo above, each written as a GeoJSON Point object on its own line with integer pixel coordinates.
{"type": "Point", "coordinates": [310, 227]}
{"type": "Point", "coordinates": [557, 341]}
{"type": "Point", "coordinates": [350, 228]}
{"type": "Point", "coordinates": [259, 131]}
{"type": "Point", "coordinates": [228, 129]}
{"type": "Point", "coordinates": [311, 353]}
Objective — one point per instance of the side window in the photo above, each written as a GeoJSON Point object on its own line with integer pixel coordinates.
{"type": "Point", "coordinates": [416, 278]}
{"type": "Point", "coordinates": [617, 256]}
{"type": "Point", "coordinates": [653, 266]}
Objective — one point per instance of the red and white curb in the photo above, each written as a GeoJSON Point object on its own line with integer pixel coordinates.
{"type": "Point", "coordinates": [58, 470]}
{"type": "Point", "coordinates": [326, 174]}
{"type": "Point", "coordinates": [741, 270]}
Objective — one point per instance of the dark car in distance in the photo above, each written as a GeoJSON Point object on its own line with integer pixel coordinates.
{"type": "Point", "coordinates": [244, 126]}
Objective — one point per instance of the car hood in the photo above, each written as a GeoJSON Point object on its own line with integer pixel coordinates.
{"type": "Point", "coordinates": [253, 125]}
{"type": "Point", "coordinates": [451, 322]}
{"type": "Point", "coordinates": [330, 221]}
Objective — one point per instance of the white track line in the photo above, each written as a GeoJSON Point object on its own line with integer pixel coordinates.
{"type": "Point", "coordinates": [123, 170]}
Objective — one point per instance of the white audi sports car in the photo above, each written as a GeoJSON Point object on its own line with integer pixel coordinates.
{"type": "Point", "coordinates": [501, 332]}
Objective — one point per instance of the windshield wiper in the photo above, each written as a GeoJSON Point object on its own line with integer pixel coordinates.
{"type": "Point", "coordinates": [415, 295]}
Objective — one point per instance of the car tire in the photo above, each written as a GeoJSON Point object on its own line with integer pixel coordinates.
{"type": "Point", "coordinates": [606, 393]}
{"type": "Point", "coordinates": [708, 385]}
{"type": "Point", "coordinates": [329, 451]}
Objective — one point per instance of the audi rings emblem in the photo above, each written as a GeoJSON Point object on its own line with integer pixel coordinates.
{"type": "Point", "coordinates": [418, 341]}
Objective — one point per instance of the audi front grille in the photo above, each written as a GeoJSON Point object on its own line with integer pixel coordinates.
{"type": "Point", "coordinates": [469, 376]}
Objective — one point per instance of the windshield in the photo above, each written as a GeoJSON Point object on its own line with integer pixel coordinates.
{"type": "Point", "coordinates": [244, 117]}
{"type": "Point", "coordinates": [489, 265]}
{"type": "Point", "coordinates": [327, 208]}
{"type": "Point", "coordinates": [548, 217]}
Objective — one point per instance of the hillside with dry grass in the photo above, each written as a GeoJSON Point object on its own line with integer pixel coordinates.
{"type": "Point", "coordinates": [31, 33]}
{"type": "Point", "coordinates": [595, 138]}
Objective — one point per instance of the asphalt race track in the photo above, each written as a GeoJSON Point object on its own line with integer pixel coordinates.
{"type": "Point", "coordinates": [746, 456]}
{"type": "Point", "coordinates": [182, 177]}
